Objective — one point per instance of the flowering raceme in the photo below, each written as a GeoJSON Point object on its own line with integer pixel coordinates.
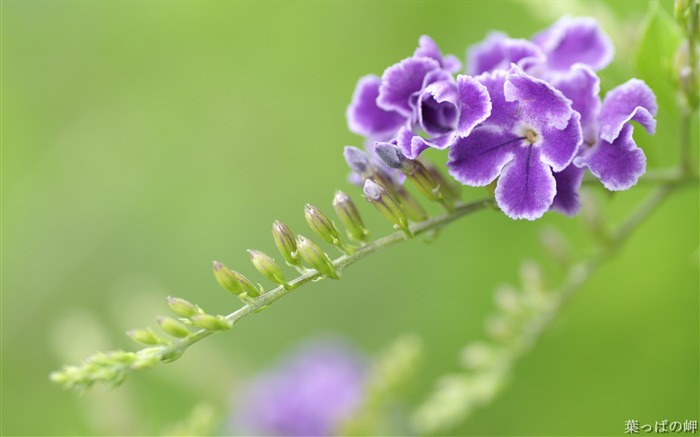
{"type": "Point", "coordinates": [527, 116]}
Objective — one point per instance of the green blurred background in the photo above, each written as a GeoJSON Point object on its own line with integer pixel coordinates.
{"type": "Point", "coordinates": [141, 140]}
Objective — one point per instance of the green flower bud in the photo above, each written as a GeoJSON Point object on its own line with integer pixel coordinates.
{"type": "Point", "coordinates": [172, 327]}
{"type": "Point", "coordinates": [410, 206]}
{"type": "Point", "coordinates": [211, 323]}
{"type": "Point", "coordinates": [267, 267]}
{"type": "Point", "coordinates": [450, 191]}
{"type": "Point", "coordinates": [226, 278]}
{"type": "Point", "coordinates": [248, 288]}
{"type": "Point", "coordinates": [683, 10]}
{"type": "Point", "coordinates": [414, 170]}
{"type": "Point", "coordinates": [347, 212]}
{"type": "Point", "coordinates": [315, 257]}
{"type": "Point", "coordinates": [145, 336]}
{"type": "Point", "coordinates": [285, 242]}
{"type": "Point", "coordinates": [321, 224]}
{"type": "Point", "coordinates": [181, 307]}
{"type": "Point", "coordinates": [386, 205]}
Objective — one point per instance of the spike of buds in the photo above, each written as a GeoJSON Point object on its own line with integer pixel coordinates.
{"type": "Point", "coordinates": [414, 170]}
{"type": "Point", "coordinates": [226, 278]}
{"type": "Point", "coordinates": [347, 212]}
{"type": "Point", "coordinates": [386, 205]}
{"type": "Point", "coordinates": [145, 336]}
{"type": "Point", "coordinates": [211, 323]}
{"type": "Point", "coordinates": [267, 267]}
{"type": "Point", "coordinates": [172, 327]}
{"type": "Point", "coordinates": [181, 307]}
{"type": "Point", "coordinates": [323, 227]}
{"type": "Point", "coordinates": [315, 257]}
{"type": "Point", "coordinates": [285, 242]}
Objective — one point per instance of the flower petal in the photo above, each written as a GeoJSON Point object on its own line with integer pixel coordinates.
{"type": "Point", "coordinates": [619, 164]}
{"type": "Point", "coordinates": [401, 81]}
{"type": "Point", "coordinates": [633, 100]}
{"type": "Point", "coordinates": [560, 146]}
{"type": "Point", "coordinates": [575, 40]}
{"type": "Point", "coordinates": [411, 144]}
{"type": "Point", "coordinates": [503, 113]}
{"type": "Point", "coordinates": [568, 182]}
{"type": "Point", "coordinates": [474, 104]}
{"type": "Point", "coordinates": [541, 105]}
{"type": "Point", "coordinates": [479, 158]}
{"type": "Point", "coordinates": [526, 187]}
{"type": "Point", "coordinates": [498, 51]}
{"type": "Point", "coordinates": [365, 117]}
{"type": "Point", "coordinates": [438, 111]}
{"type": "Point", "coordinates": [581, 85]}
{"type": "Point", "coordinates": [429, 49]}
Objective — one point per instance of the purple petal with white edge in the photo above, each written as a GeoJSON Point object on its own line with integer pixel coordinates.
{"type": "Point", "coordinates": [633, 100]}
{"type": "Point", "coordinates": [437, 110]}
{"type": "Point", "coordinates": [581, 85]}
{"type": "Point", "coordinates": [503, 113]}
{"type": "Point", "coordinates": [429, 49]}
{"type": "Point", "coordinates": [479, 158]}
{"type": "Point", "coordinates": [540, 104]}
{"type": "Point", "coordinates": [474, 104]}
{"type": "Point", "coordinates": [619, 164]}
{"type": "Point", "coordinates": [498, 51]}
{"type": "Point", "coordinates": [402, 80]}
{"type": "Point", "coordinates": [411, 144]}
{"type": "Point", "coordinates": [526, 187]}
{"type": "Point", "coordinates": [575, 40]}
{"type": "Point", "coordinates": [365, 117]}
{"type": "Point", "coordinates": [560, 146]}
{"type": "Point", "coordinates": [568, 182]}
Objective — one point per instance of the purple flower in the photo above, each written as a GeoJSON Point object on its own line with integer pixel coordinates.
{"type": "Point", "coordinates": [531, 132]}
{"type": "Point", "coordinates": [365, 117]}
{"type": "Point", "coordinates": [498, 52]}
{"type": "Point", "coordinates": [427, 48]}
{"type": "Point", "coordinates": [309, 394]}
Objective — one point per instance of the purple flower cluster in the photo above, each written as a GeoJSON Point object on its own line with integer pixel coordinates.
{"type": "Point", "coordinates": [309, 394]}
{"type": "Point", "coordinates": [528, 115]}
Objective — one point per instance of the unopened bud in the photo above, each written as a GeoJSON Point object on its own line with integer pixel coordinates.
{"type": "Point", "coordinates": [357, 160]}
{"type": "Point", "coordinates": [211, 323]}
{"type": "Point", "coordinates": [323, 226]}
{"type": "Point", "coordinates": [145, 336]}
{"type": "Point", "coordinates": [449, 190]}
{"type": "Point", "coordinates": [226, 278]}
{"type": "Point", "coordinates": [683, 10]}
{"type": "Point", "coordinates": [414, 170]}
{"type": "Point", "coordinates": [172, 327]}
{"type": "Point", "coordinates": [347, 212]}
{"type": "Point", "coordinates": [409, 205]}
{"type": "Point", "coordinates": [181, 307]}
{"type": "Point", "coordinates": [249, 289]}
{"type": "Point", "coordinates": [285, 242]}
{"type": "Point", "coordinates": [267, 267]}
{"type": "Point", "coordinates": [315, 257]}
{"type": "Point", "coordinates": [386, 205]}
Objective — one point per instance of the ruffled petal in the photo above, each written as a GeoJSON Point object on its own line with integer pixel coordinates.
{"type": "Point", "coordinates": [575, 40]}
{"type": "Point", "coordinates": [526, 187]}
{"type": "Point", "coordinates": [540, 104]}
{"type": "Point", "coordinates": [365, 117]}
{"type": "Point", "coordinates": [581, 85]}
{"type": "Point", "coordinates": [438, 110]}
{"type": "Point", "coordinates": [402, 80]}
{"type": "Point", "coordinates": [429, 49]}
{"type": "Point", "coordinates": [619, 164]}
{"type": "Point", "coordinates": [503, 113]}
{"type": "Point", "coordinates": [411, 144]}
{"type": "Point", "coordinates": [498, 51]}
{"type": "Point", "coordinates": [633, 100]}
{"type": "Point", "coordinates": [560, 146]}
{"type": "Point", "coordinates": [479, 158]}
{"type": "Point", "coordinates": [568, 181]}
{"type": "Point", "coordinates": [474, 104]}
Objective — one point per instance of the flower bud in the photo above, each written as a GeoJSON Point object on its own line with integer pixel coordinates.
{"type": "Point", "coordinates": [249, 289]}
{"type": "Point", "coordinates": [315, 257]}
{"type": "Point", "coordinates": [347, 212]}
{"type": "Point", "coordinates": [211, 323]}
{"type": "Point", "coordinates": [145, 336]}
{"type": "Point", "coordinates": [285, 242]}
{"type": "Point", "coordinates": [172, 327]}
{"type": "Point", "coordinates": [323, 226]}
{"type": "Point", "coordinates": [267, 267]}
{"type": "Point", "coordinates": [414, 170]}
{"type": "Point", "coordinates": [386, 205]}
{"type": "Point", "coordinates": [410, 206]}
{"type": "Point", "coordinates": [683, 10]}
{"type": "Point", "coordinates": [181, 307]}
{"type": "Point", "coordinates": [225, 277]}
{"type": "Point", "coordinates": [357, 160]}
{"type": "Point", "coordinates": [449, 190]}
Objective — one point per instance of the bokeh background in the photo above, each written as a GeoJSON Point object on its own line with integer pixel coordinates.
{"type": "Point", "coordinates": [141, 140]}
